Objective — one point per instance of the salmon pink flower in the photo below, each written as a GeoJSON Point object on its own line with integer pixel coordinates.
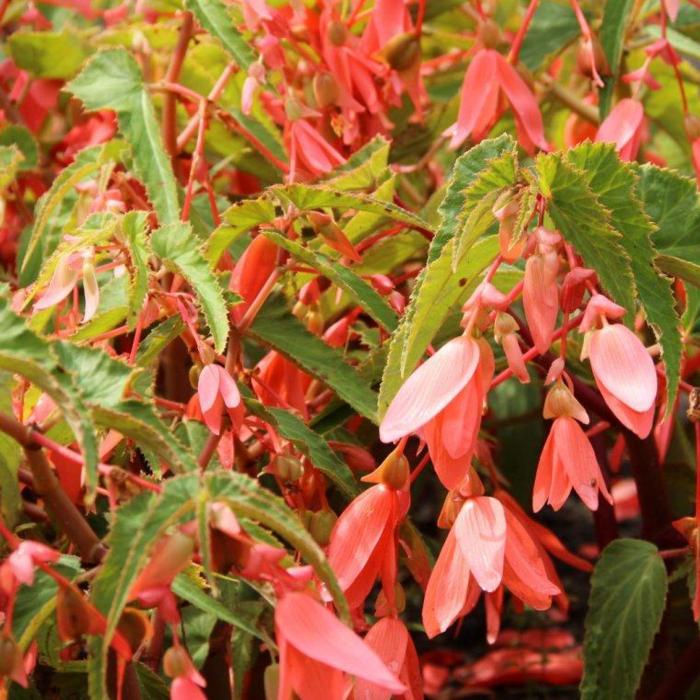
{"type": "Point", "coordinates": [308, 149]}
{"type": "Point", "coordinates": [488, 77]}
{"type": "Point", "coordinates": [623, 370]}
{"type": "Point", "coordinates": [567, 460]}
{"type": "Point", "coordinates": [442, 401]}
{"type": "Point", "coordinates": [363, 541]}
{"type": "Point", "coordinates": [317, 650]}
{"type": "Point", "coordinates": [216, 389]}
{"type": "Point", "coordinates": [187, 681]}
{"type": "Point", "coordinates": [394, 646]}
{"type": "Point", "coordinates": [486, 548]}
{"type": "Point", "coordinates": [277, 381]}
{"type": "Point", "coordinates": [24, 560]}
{"type": "Point", "coordinates": [251, 272]}
{"type": "Point", "coordinates": [624, 127]}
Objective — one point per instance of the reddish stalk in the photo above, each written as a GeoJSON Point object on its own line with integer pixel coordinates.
{"type": "Point", "coordinates": [522, 31]}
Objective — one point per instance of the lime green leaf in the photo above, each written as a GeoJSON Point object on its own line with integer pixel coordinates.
{"type": "Point", "coordinates": [616, 17]}
{"type": "Point", "coordinates": [344, 277]}
{"type": "Point", "coordinates": [85, 165]}
{"type": "Point", "coordinates": [309, 443]}
{"type": "Point", "coordinates": [577, 212]}
{"type": "Point", "coordinates": [49, 54]}
{"type": "Point", "coordinates": [276, 327]}
{"type": "Point", "coordinates": [467, 170]}
{"type": "Point", "coordinates": [134, 225]}
{"type": "Point", "coordinates": [437, 291]}
{"type": "Point", "coordinates": [10, 160]}
{"type": "Point", "coordinates": [240, 218]}
{"type": "Point", "coordinates": [305, 197]}
{"type": "Point", "coordinates": [552, 28]}
{"type": "Point", "coordinates": [180, 250]}
{"type": "Point", "coordinates": [111, 312]}
{"type": "Point", "coordinates": [10, 457]}
{"type": "Point", "coordinates": [628, 596]}
{"type": "Point", "coordinates": [614, 183]}
{"type": "Point", "coordinates": [676, 267]}
{"type": "Point", "coordinates": [20, 137]}
{"type": "Point", "coordinates": [112, 80]}
{"type": "Point", "coordinates": [214, 17]}
{"type": "Point", "coordinates": [158, 338]}
{"type": "Point", "coordinates": [365, 169]}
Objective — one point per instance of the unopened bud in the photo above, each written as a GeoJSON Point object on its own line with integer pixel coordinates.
{"type": "Point", "coordinates": [504, 325]}
{"type": "Point", "coordinates": [393, 472]}
{"type": "Point", "coordinates": [271, 681]}
{"type": "Point", "coordinates": [587, 53]}
{"type": "Point", "coordinates": [325, 88]}
{"type": "Point", "coordinates": [337, 33]}
{"type": "Point", "coordinates": [314, 321]}
{"type": "Point", "coordinates": [321, 526]}
{"type": "Point", "coordinates": [310, 292]}
{"type": "Point", "coordinates": [176, 662]}
{"type": "Point", "coordinates": [489, 34]}
{"type": "Point", "coordinates": [574, 287]}
{"type": "Point", "coordinates": [506, 210]}
{"type": "Point", "coordinates": [287, 468]}
{"type": "Point", "coordinates": [382, 606]}
{"type": "Point", "coordinates": [193, 375]}
{"type": "Point", "coordinates": [10, 655]}
{"type": "Point", "coordinates": [403, 51]}
{"type": "Point", "coordinates": [561, 402]}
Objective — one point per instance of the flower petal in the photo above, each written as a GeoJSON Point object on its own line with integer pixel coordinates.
{"type": "Point", "coordinates": [389, 638]}
{"type": "Point", "coordinates": [430, 388]}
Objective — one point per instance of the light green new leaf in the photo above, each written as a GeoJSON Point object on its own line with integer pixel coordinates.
{"type": "Point", "coordinates": [10, 160]}
{"type": "Point", "coordinates": [616, 17]}
{"type": "Point", "coordinates": [276, 327]}
{"type": "Point", "coordinates": [628, 596]}
{"type": "Point", "coordinates": [133, 230]}
{"type": "Point", "coordinates": [676, 267]}
{"type": "Point", "coordinates": [112, 80]}
{"type": "Point", "coordinates": [467, 169]}
{"type": "Point", "coordinates": [49, 54]}
{"type": "Point", "coordinates": [344, 277]}
{"type": "Point", "coordinates": [614, 183]}
{"type": "Point", "coordinates": [214, 17]}
{"type": "Point", "coordinates": [10, 457]}
{"type": "Point", "coordinates": [181, 251]}
{"type": "Point", "coordinates": [364, 170]}
{"type": "Point", "coordinates": [581, 218]}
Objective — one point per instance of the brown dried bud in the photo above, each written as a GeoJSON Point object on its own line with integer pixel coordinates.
{"type": "Point", "coordinates": [337, 33]}
{"type": "Point", "coordinates": [193, 375]}
{"type": "Point", "coordinates": [287, 468]}
{"type": "Point", "coordinates": [321, 525]}
{"type": "Point", "coordinates": [489, 34]}
{"type": "Point", "coordinates": [176, 662]}
{"type": "Point", "coordinates": [326, 91]}
{"type": "Point", "coordinates": [10, 655]}
{"type": "Point", "coordinates": [403, 51]}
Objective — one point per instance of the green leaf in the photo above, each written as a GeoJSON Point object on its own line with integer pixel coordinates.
{"type": "Point", "coordinates": [10, 160]}
{"type": "Point", "coordinates": [184, 587]}
{"type": "Point", "coordinates": [628, 596]}
{"type": "Point", "coordinates": [276, 327]}
{"type": "Point", "coordinates": [21, 138]}
{"type": "Point", "coordinates": [365, 168]}
{"type": "Point", "coordinates": [306, 197]}
{"type": "Point", "coordinates": [344, 277]}
{"type": "Point", "coordinates": [438, 289]}
{"type": "Point", "coordinates": [240, 218]}
{"type": "Point", "coordinates": [614, 183]}
{"type": "Point", "coordinates": [181, 251]}
{"type": "Point", "coordinates": [112, 80]}
{"type": "Point", "coordinates": [158, 338]}
{"type": "Point", "coordinates": [309, 443]}
{"type": "Point", "coordinates": [133, 229]}
{"type": "Point", "coordinates": [49, 54]}
{"type": "Point", "coordinates": [10, 458]}
{"type": "Point", "coordinates": [552, 28]}
{"type": "Point", "coordinates": [467, 171]}
{"type": "Point", "coordinates": [214, 17]}
{"type": "Point", "coordinates": [140, 524]}
{"type": "Point", "coordinates": [676, 267]}
{"type": "Point", "coordinates": [111, 312]}
{"type": "Point", "coordinates": [578, 214]}
{"type": "Point", "coordinates": [616, 17]}
{"type": "Point", "coordinates": [85, 165]}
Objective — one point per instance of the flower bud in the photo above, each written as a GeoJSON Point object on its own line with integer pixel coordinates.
{"type": "Point", "coordinates": [193, 375]}
{"type": "Point", "coordinates": [314, 321]}
{"type": "Point", "coordinates": [403, 51]}
{"type": "Point", "coordinates": [170, 556]}
{"type": "Point", "coordinates": [287, 468]}
{"type": "Point", "coordinates": [176, 662]}
{"type": "Point", "coordinates": [10, 655]}
{"type": "Point", "coordinates": [271, 681]}
{"type": "Point", "coordinates": [506, 213]}
{"type": "Point", "coordinates": [574, 287]}
{"type": "Point", "coordinates": [310, 293]}
{"type": "Point", "coordinates": [561, 402]}
{"type": "Point", "coordinates": [489, 34]}
{"type": "Point", "coordinates": [393, 472]}
{"type": "Point", "coordinates": [321, 526]}
{"type": "Point", "coordinates": [293, 109]}
{"type": "Point", "coordinates": [325, 89]}
{"type": "Point", "coordinates": [382, 608]}
{"type": "Point", "coordinates": [588, 53]}
{"type": "Point", "coordinates": [504, 325]}
{"type": "Point", "coordinates": [337, 33]}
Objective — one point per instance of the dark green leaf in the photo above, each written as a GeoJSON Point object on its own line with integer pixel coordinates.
{"type": "Point", "coordinates": [616, 17]}
{"type": "Point", "coordinates": [553, 27]}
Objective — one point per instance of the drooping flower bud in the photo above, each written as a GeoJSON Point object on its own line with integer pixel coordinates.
{"type": "Point", "coordinates": [321, 525]}
{"type": "Point", "coordinates": [505, 331]}
{"type": "Point", "coordinates": [176, 662]}
{"type": "Point", "coordinates": [489, 33]}
{"type": "Point", "coordinates": [332, 234]}
{"type": "Point", "coordinates": [271, 681]}
{"type": "Point", "coordinates": [393, 472]}
{"type": "Point", "coordinates": [506, 210]}
{"type": "Point", "coordinates": [692, 126]}
{"type": "Point", "coordinates": [10, 655]}
{"type": "Point", "coordinates": [403, 51]}
{"type": "Point", "coordinates": [325, 89]}
{"type": "Point", "coordinates": [591, 59]}
{"type": "Point", "coordinates": [574, 287]}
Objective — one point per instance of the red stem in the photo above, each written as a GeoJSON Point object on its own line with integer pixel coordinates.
{"type": "Point", "coordinates": [522, 31]}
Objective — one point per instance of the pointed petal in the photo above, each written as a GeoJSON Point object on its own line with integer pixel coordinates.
{"type": "Point", "coordinates": [228, 389]}
{"type": "Point", "coordinates": [638, 422]}
{"type": "Point", "coordinates": [389, 638]}
{"type": "Point", "coordinates": [447, 587]}
{"type": "Point", "coordinates": [208, 387]}
{"type": "Point", "coordinates": [622, 125]}
{"type": "Point", "coordinates": [317, 633]}
{"type": "Point", "coordinates": [91, 290]}
{"type": "Point", "coordinates": [621, 363]}
{"type": "Point", "coordinates": [543, 477]}
{"type": "Point", "coordinates": [540, 300]}
{"type": "Point", "coordinates": [430, 388]}
{"type": "Point", "coordinates": [481, 532]}
{"type": "Point", "coordinates": [61, 285]}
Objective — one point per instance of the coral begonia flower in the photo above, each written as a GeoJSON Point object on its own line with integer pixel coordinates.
{"type": "Point", "coordinates": [567, 461]}
{"type": "Point", "coordinates": [251, 272]}
{"type": "Point", "coordinates": [442, 401]}
{"type": "Point", "coordinates": [541, 297]}
{"type": "Point", "coordinates": [624, 127]}
{"type": "Point", "coordinates": [310, 150]}
{"type": "Point", "coordinates": [316, 650]}
{"type": "Point", "coordinates": [625, 375]}
{"type": "Point", "coordinates": [277, 381]}
{"type": "Point", "coordinates": [487, 547]}
{"type": "Point", "coordinates": [394, 646]}
{"type": "Point", "coordinates": [489, 76]}
{"type": "Point", "coordinates": [216, 388]}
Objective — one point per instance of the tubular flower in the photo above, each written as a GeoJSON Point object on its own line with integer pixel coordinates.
{"type": "Point", "coordinates": [442, 401]}
{"type": "Point", "coordinates": [251, 272]}
{"type": "Point", "coordinates": [317, 650]}
{"type": "Point", "coordinates": [216, 389]}
{"type": "Point", "coordinates": [540, 291]}
{"type": "Point", "coordinates": [363, 542]}
{"type": "Point", "coordinates": [394, 646]}
{"type": "Point", "coordinates": [624, 127]}
{"type": "Point", "coordinates": [567, 460]}
{"type": "Point", "coordinates": [489, 76]}
{"type": "Point", "coordinates": [486, 548]}
{"type": "Point", "coordinates": [622, 368]}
